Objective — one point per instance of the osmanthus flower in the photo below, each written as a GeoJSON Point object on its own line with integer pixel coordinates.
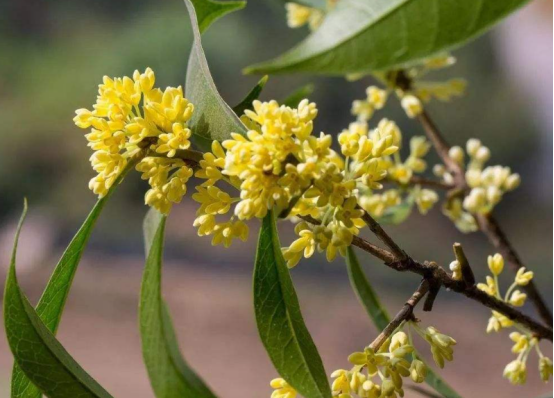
{"type": "Point", "coordinates": [524, 341]}
{"type": "Point", "coordinates": [282, 389]}
{"type": "Point", "coordinates": [381, 373]}
{"type": "Point", "coordinates": [130, 115]}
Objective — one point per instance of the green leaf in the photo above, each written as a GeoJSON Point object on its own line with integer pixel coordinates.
{"type": "Point", "coordinates": [170, 375]}
{"type": "Point", "coordinates": [378, 314]}
{"type": "Point", "coordinates": [37, 352]}
{"type": "Point", "coordinates": [212, 119]}
{"type": "Point", "coordinates": [361, 35]}
{"type": "Point", "coordinates": [397, 214]}
{"type": "Point", "coordinates": [208, 11]}
{"type": "Point", "coordinates": [253, 95]}
{"type": "Point", "coordinates": [51, 304]}
{"type": "Point", "coordinates": [298, 95]}
{"type": "Point", "coordinates": [280, 323]}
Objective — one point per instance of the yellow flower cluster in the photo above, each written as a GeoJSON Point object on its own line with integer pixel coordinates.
{"type": "Point", "coordinates": [130, 115]}
{"type": "Point", "coordinates": [524, 341]}
{"type": "Point", "coordinates": [487, 184]}
{"type": "Point", "coordinates": [281, 164]}
{"type": "Point", "coordinates": [380, 373]}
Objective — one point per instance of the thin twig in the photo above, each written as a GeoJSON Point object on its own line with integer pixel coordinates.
{"type": "Point", "coordinates": [487, 224]}
{"type": "Point", "coordinates": [405, 313]}
{"type": "Point", "coordinates": [383, 236]}
{"type": "Point", "coordinates": [397, 259]}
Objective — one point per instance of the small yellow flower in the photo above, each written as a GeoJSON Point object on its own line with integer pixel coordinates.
{"type": "Point", "coordinates": [496, 264]}
{"type": "Point", "coordinates": [545, 368]}
{"type": "Point", "coordinates": [418, 371]}
{"type": "Point", "coordinates": [522, 277]}
{"type": "Point", "coordinates": [425, 200]}
{"type": "Point", "coordinates": [171, 142]}
{"type": "Point", "coordinates": [362, 109]}
{"type": "Point", "coordinates": [498, 321]}
{"type": "Point", "coordinates": [282, 389]}
{"type": "Point", "coordinates": [441, 346]}
{"type": "Point", "coordinates": [412, 105]}
{"type": "Point", "coordinates": [517, 299]}
{"type": "Point", "coordinates": [456, 269]}
{"type": "Point", "coordinates": [521, 342]}
{"type": "Point", "coordinates": [376, 97]}
{"type": "Point", "coordinates": [516, 372]}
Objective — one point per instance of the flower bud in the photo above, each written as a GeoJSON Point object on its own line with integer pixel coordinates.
{"type": "Point", "coordinates": [512, 182]}
{"type": "Point", "coordinates": [545, 368]}
{"type": "Point", "coordinates": [483, 154]}
{"type": "Point", "coordinates": [517, 299]}
{"type": "Point", "coordinates": [456, 153]}
{"type": "Point", "coordinates": [496, 263]}
{"type": "Point", "coordinates": [418, 371]}
{"type": "Point", "coordinates": [473, 146]}
{"type": "Point", "coordinates": [412, 105]}
{"type": "Point", "coordinates": [523, 278]}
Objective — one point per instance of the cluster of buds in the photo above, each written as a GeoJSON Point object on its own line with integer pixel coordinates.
{"type": "Point", "coordinates": [413, 96]}
{"type": "Point", "coordinates": [487, 184]}
{"type": "Point", "coordinates": [131, 115]}
{"type": "Point", "coordinates": [380, 373]}
{"type": "Point", "coordinates": [524, 341]}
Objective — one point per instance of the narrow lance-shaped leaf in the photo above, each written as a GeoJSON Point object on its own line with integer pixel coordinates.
{"type": "Point", "coordinates": [279, 320]}
{"type": "Point", "coordinates": [212, 119]}
{"type": "Point", "coordinates": [380, 317]}
{"type": "Point", "coordinates": [362, 35]}
{"type": "Point", "coordinates": [169, 374]}
{"type": "Point", "coordinates": [51, 304]}
{"type": "Point", "coordinates": [253, 95]}
{"type": "Point", "coordinates": [37, 352]}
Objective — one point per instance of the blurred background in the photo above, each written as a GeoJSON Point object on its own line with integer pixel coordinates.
{"type": "Point", "coordinates": [53, 55]}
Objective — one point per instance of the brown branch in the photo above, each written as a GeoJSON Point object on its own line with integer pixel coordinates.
{"type": "Point", "coordinates": [406, 313]}
{"type": "Point", "coordinates": [427, 182]}
{"type": "Point", "coordinates": [442, 148]}
{"type": "Point", "coordinates": [487, 224]}
{"type": "Point", "coordinates": [383, 236]}
{"type": "Point", "coordinates": [437, 276]}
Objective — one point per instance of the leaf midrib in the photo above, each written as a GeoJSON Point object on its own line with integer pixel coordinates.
{"type": "Point", "coordinates": [274, 245]}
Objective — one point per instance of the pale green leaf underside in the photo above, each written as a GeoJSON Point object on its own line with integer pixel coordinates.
{"type": "Point", "coordinates": [380, 317]}
{"type": "Point", "coordinates": [170, 376]}
{"type": "Point", "coordinates": [37, 352]}
{"type": "Point", "coordinates": [362, 35]}
{"type": "Point", "coordinates": [51, 304]}
{"type": "Point", "coordinates": [280, 324]}
{"type": "Point", "coordinates": [212, 119]}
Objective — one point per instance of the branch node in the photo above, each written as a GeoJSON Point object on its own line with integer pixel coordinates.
{"type": "Point", "coordinates": [467, 273]}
